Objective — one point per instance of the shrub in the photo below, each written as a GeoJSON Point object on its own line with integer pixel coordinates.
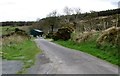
{"type": "Point", "coordinates": [62, 33]}
{"type": "Point", "coordinates": [21, 32]}
{"type": "Point", "coordinates": [49, 35]}
{"type": "Point", "coordinates": [109, 41]}
{"type": "Point", "coordinates": [110, 35]}
{"type": "Point", "coordinates": [82, 37]}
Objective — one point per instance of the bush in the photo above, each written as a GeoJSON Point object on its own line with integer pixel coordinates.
{"type": "Point", "coordinates": [82, 37]}
{"type": "Point", "coordinates": [49, 35]}
{"type": "Point", "coordinates": [21, 32]}
{"type": "Point", "coordinates": [110, 35]}
{"type": "Point", "coordinates": [109, 41]}
{"type": "Point", "coordinates": [63, 33]}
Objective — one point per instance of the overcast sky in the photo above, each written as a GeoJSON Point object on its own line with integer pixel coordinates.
{"type": "Point", "coordinates": [30, 10]}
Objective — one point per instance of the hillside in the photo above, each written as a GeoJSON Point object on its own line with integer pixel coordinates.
{"type": "Point", "coordinates": [94, 20]}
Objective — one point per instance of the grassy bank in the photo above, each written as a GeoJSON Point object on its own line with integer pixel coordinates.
{"type": "Point", "coordinates": [90, 47]}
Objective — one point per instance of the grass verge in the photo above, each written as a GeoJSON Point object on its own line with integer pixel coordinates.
{"type": "Point", "coordinates": [25, 51]}
{"type": "Point", "coordinates": [90, 48]}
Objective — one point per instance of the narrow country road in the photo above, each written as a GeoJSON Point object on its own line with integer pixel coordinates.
{"type": "Point", "coordinates": [68, 61]}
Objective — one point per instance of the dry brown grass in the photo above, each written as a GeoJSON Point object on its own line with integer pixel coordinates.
{"type": "Point", "coordinates": [82, 37]}
{"type": "Point", "coordinates": [13, 39]}
{"type": "Point", "coordinates": [110, 35]}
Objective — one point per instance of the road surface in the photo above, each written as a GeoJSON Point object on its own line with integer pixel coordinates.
{"type": "Point", "coordinates": [68, 61]}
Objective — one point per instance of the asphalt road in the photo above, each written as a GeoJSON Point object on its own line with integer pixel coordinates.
{"type": "Point", "coordinates": [68, 61]}
{"type": "Point", "coordinates": [11, 66]}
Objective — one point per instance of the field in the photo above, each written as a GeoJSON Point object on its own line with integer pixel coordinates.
{"type": "Point", "coordinates": [9, 29]}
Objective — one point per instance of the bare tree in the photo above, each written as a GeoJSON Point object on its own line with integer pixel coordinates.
{"type": "Point", "coordinates": [77, 10]}
{"type": "Point", "coordinates": [52, 20]}
{"type": "Point", "coordinates": [67, 10]}
{"type": "Point", "coordinates": [52, 14]}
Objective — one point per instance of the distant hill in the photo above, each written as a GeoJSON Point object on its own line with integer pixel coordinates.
{"type": "Point", "coordinates": [17, 23]}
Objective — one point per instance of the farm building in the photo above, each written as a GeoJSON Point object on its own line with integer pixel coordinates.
{"type": "Point", "coordinates": [36, 32]}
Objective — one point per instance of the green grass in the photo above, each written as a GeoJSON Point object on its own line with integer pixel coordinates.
{"type": "Point", "coordinates": [90, 48]}
{"type": "Point", "coordinates": [6, 29]}
{"type": "Point", "coordinates": [9, 29]}
{"type": "Point", "coordinates": [25, 51]}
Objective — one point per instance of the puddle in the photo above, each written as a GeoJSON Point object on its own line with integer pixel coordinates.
{"type": "Point", "coordinates": [43, 59]}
